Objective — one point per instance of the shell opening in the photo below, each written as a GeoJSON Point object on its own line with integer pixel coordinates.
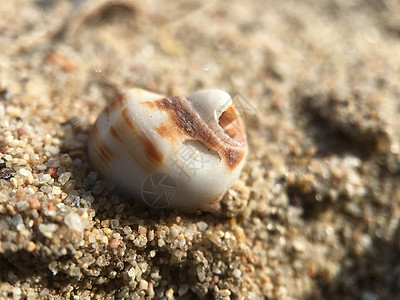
{"type": "Point", "coordinates": [232, 126]}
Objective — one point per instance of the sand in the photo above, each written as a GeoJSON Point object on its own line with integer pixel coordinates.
{"type": "Point", "coordinates": [315, 214]}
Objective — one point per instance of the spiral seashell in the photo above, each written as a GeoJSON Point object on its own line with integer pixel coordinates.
{"type": "Point", "coordinates": [176, 152]}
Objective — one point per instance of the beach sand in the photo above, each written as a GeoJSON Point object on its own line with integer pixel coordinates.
{"type": "Point", "coordinates": [315, 214]}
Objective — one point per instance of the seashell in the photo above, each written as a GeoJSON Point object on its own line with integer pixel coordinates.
{"type": "Point", "coordinates": [176, 152]}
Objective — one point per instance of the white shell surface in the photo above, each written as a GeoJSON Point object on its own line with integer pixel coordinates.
{"type": "Point", "coordinates": [176, 152]}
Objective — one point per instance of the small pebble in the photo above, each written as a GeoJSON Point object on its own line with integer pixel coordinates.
{"type": "Point", "coordinates": [24, 172]}
{"type": "Point", "coordinates": [143, 285]}
{"type": "Point", "coordinates": [225, 293]}
{"type": "Point", "coordinates": [16, 220]}
{"type": "Point", "coordinates": [20, 195]}
{"type": "Point", "coordinates": [65, 160]}
{"type": "Point", "coordinates": [53, 162]}
{"type": "Point", "coordinates": [74, 222]}
{"type": "Point", "coordinates": [48, 229]}
{"type": "Point", "coordinates": [92, 177]}
{"type": "Point", "coordinates": [46, 189]}
{"type": "Point", "coordinates": [52, 172]}
{"type": "Point", "coordinates": [215, 239]}
{"type": "Point", "coordinates": [31, 246]}
{"type": "Point", "coordinates": [56, 190]}
{"type": "Point", "coordinates": [114, 223]}
{"type": "Point", "coordinates": [22, 205]}
{"type": "Point", "coordinates": [41, 167]}
{"type": "Point", "coordinates": [17, 292]}
{"type": "Point", "coordinates": [115, 243]}
{"type": "Point", "coordinates": [34, 203]}
{"type": "Point", "coordinates": [170, 294]}
{"type": "Point", "coordinates": [98, 187]}
{"type": "Point", "coordinates": [183, 289]}
{"type": "Point", "coordinates": [64, 177]}
{"type": "Point", "coordinates": [6, 173]}
{"type": "Point", "coordinates": [236, 273]}
{"type": "Point", "coordinates": [44, 178]}
{"type": "Point", "coordinates": [202, 225]}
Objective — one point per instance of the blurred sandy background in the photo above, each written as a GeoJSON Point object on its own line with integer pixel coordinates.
{"type": "Point", "coordinates": [315, 214]}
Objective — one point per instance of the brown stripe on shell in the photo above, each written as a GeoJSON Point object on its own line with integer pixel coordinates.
{"type": "Point", "coordinates": [118, 103]}
{"type": "Point", "coordinates": [102, 152]}
{"type": "Point", "coordinates": [94, 157]}
{"type": "Point", "coordinates": [182, 115]}
{"type": "Point", "coordinates": [127, 119]}
{"type": "Point", "coordinates": [167, 132]}
{"type": "Point", "coordinates": [133, 148]}
{"type": "Point", "coordinates": [145, 165]}
{"type": "Point", "coordinates": [137, 142]}
{"type": "Point", "coordinates": [115, 134]}
{"type": "Point", "coordinates": [151, 150]}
